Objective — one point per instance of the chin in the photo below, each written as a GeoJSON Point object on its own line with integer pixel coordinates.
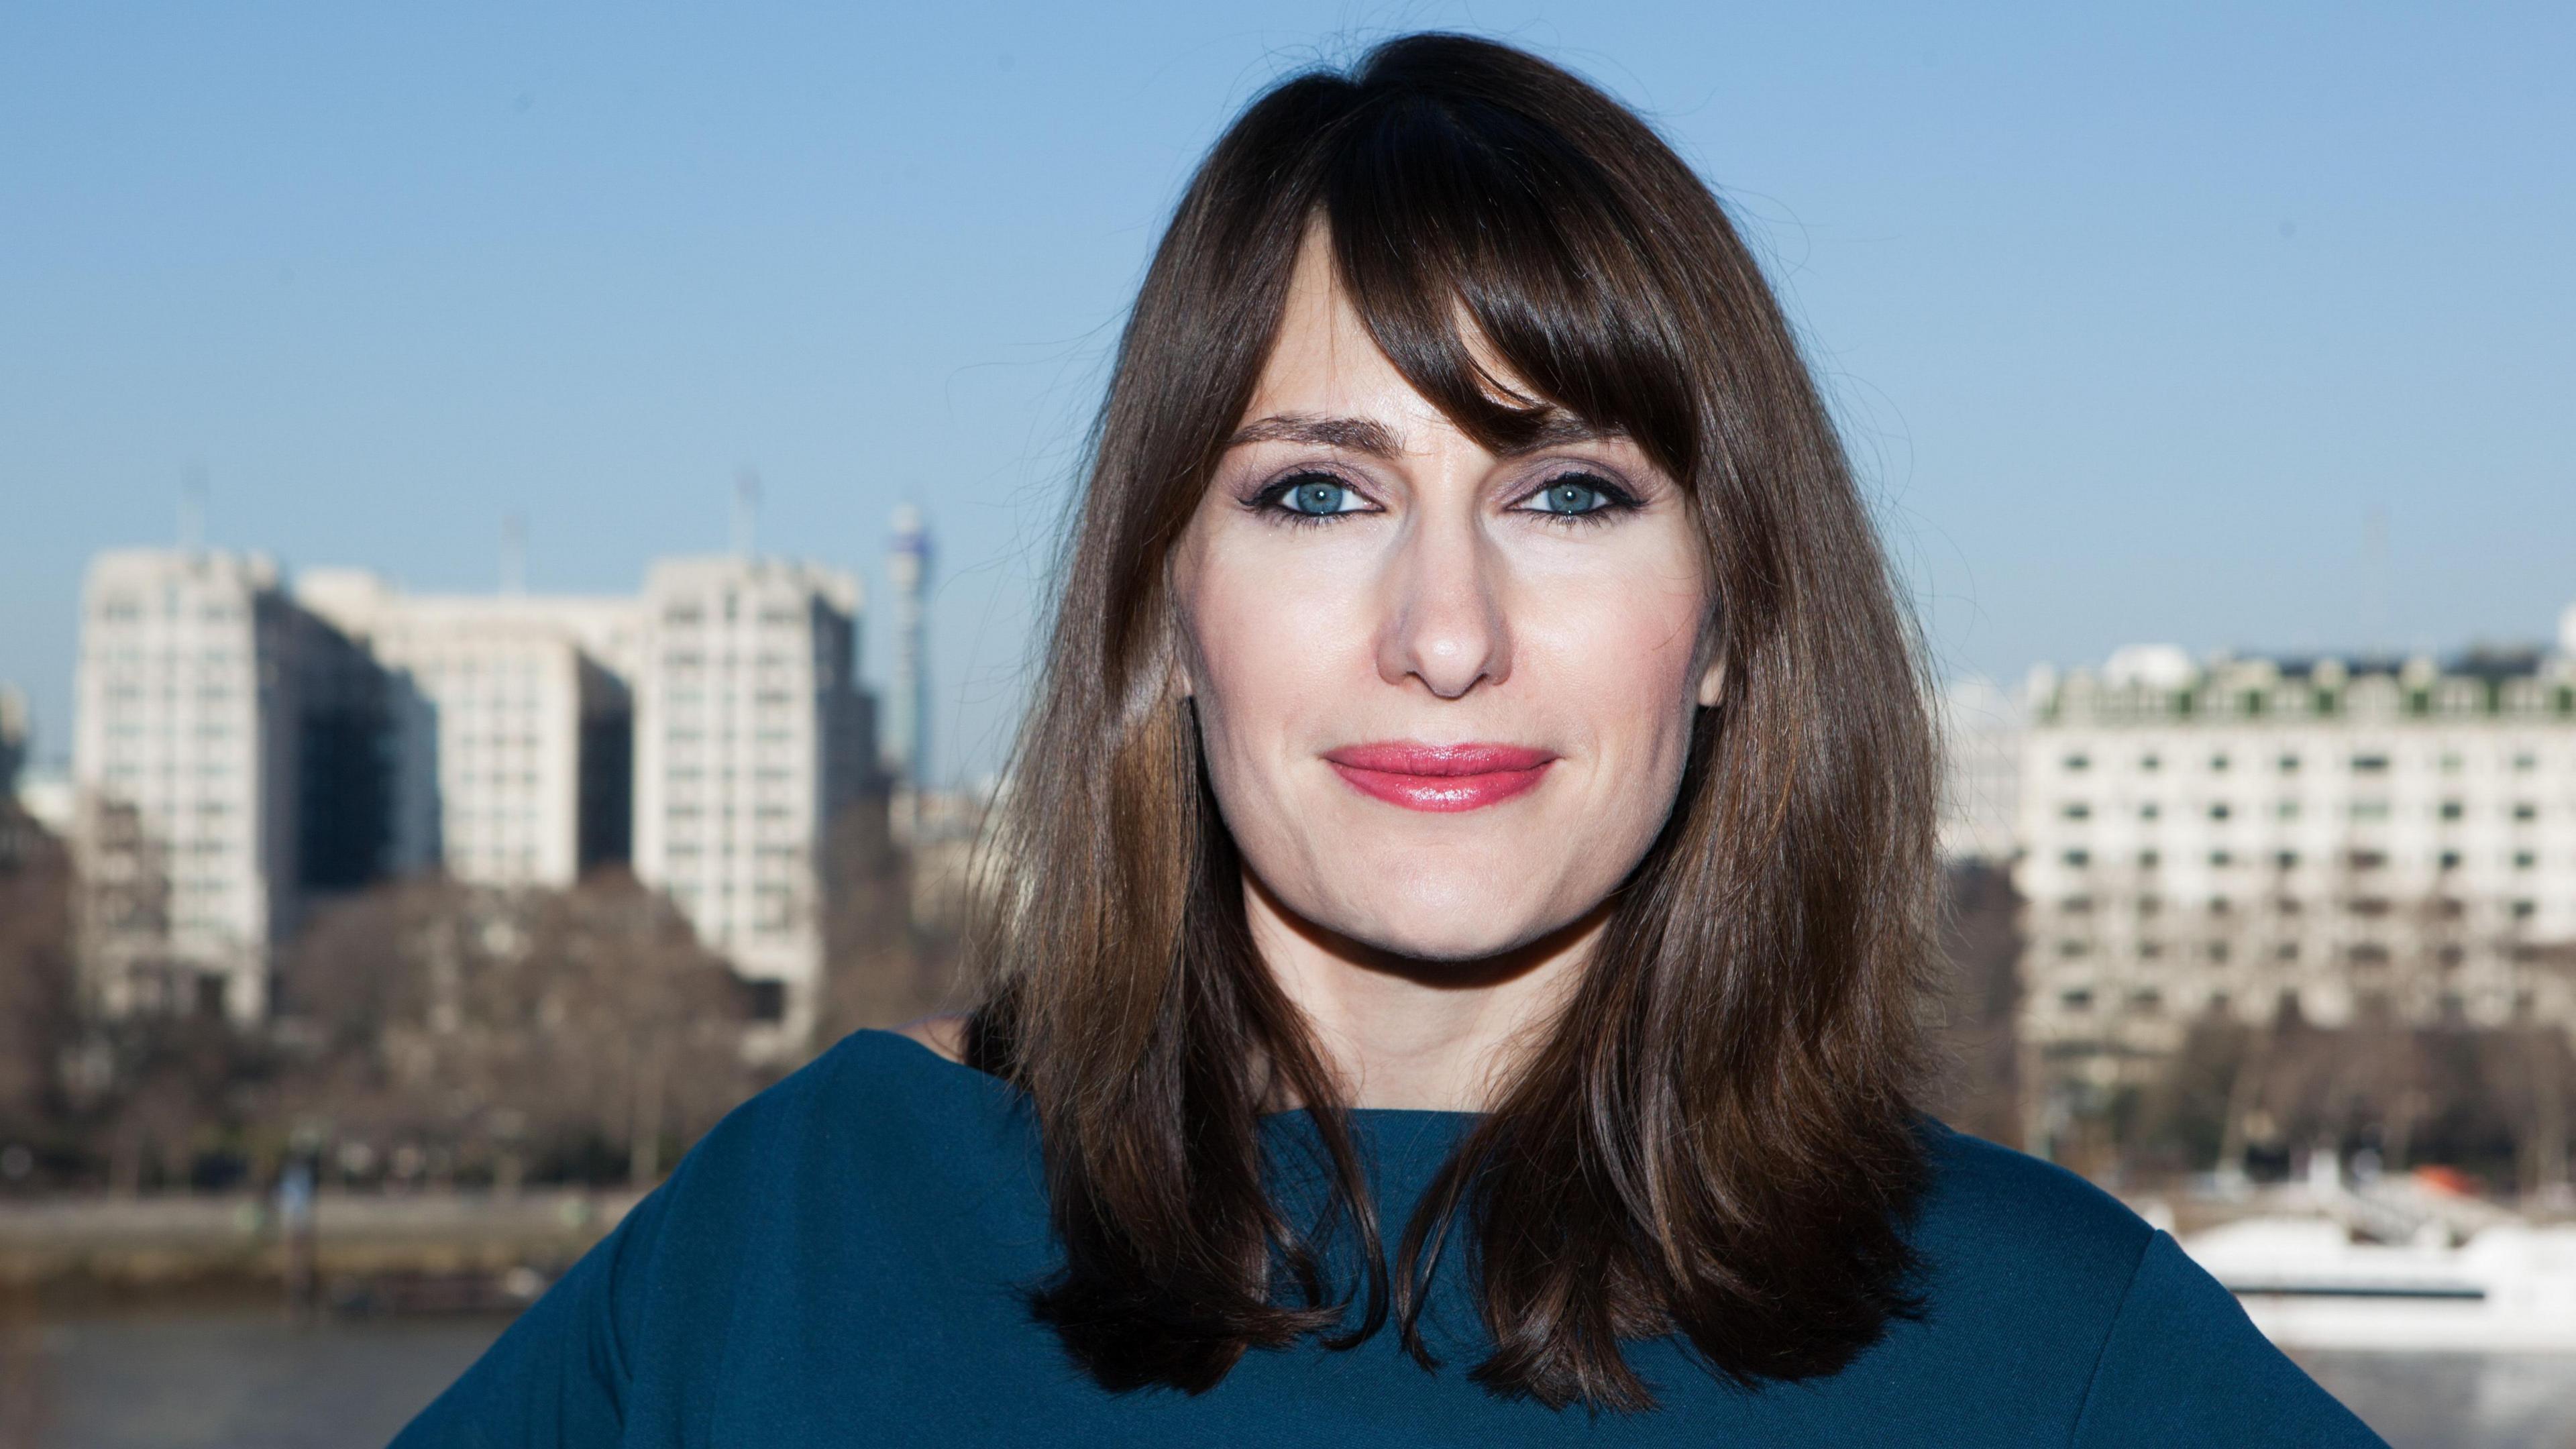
{"type": "Point", "coordinates": [1460, 926]}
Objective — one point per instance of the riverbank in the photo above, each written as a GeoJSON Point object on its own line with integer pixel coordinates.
{"type": "Point", "coordinates": [68, 1250]}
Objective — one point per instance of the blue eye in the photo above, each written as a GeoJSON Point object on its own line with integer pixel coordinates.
{"type": "Point", "coordinates": [1315, 495]}
{"type": "Point", "coordinates": [1570, 496]}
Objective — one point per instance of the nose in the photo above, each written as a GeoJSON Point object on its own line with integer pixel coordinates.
{"type": "Point", "coordinates": [1444, 622]}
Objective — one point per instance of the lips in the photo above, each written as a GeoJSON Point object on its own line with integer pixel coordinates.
{"type": "Point", "coordinates": [1440, 777]}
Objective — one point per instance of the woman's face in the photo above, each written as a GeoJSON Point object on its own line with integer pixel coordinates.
{"type": "Point", "coordinates": [1445, 695]}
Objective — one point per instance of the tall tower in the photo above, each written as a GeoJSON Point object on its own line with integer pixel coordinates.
{"type": "Point", "coordinates": [907, 740]}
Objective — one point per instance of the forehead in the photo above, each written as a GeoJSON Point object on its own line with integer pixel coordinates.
{"type": "Point", "coordinates": [1325, 368]}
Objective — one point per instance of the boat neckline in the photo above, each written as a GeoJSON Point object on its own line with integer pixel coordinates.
{"type": "Point", "coordinates": [1375, 1114]}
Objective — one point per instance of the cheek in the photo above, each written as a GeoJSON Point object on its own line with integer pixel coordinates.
{"type": "Point", "coordinates": [1617, 649]}
{"type": "Point", "coordinates": [1268, 648]}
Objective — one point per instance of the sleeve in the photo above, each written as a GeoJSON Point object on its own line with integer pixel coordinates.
{"type": "Point", "coordinates": [2184, 1366]}
{"type": "Point", "coordinates": [557, 1378]}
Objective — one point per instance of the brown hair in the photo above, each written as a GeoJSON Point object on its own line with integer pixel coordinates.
{"type": "Point", "coordinates": [1716, 1140]}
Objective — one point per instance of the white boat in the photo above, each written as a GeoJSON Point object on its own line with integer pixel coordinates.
{"type": "Point", "coordinates": [2307, 1282]}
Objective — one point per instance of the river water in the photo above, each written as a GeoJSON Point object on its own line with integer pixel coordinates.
{"type": "Point", "coordinates": [249, 1380]}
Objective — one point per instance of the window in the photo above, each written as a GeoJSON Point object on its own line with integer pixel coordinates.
{"type": "Point", "coordinates": [2073, 946]}
{"type": "Point", "coordinates": [2368, 859]}
{"type": "Point", "coordinates": [2524, 860]}
{"type": "Point", "coordinates": [2526, 761]}
{"type": "Point", "coordinates": [2286, 859]}
{"type": "Point", "coordinates": [768, 998]}
{"type": "Point", "coordinates": [2369, 809]}
{"type": "Point", "coordinates": [2078, 858]}
{"type": "Point", "coordinates": [2370, 764]}
{"type": "Point", "coordinates": [2286, 951]}
{"type": "Point", "coordinates": [2218, 763]}
{"type": "Point", "coordinates": [2078, 762]}
{"type": "Point", "coordinates": [2215, 950]}
{"type": "Point", "coordinates": [2289, 764]}
{"type": "Point", "coordinates": [2287, 810]}
{"type": "Point", "coordinates": [2148, 811]}
{"type": "Point", "coordinates": [2149, 950]}
{"type": "Point", "coordinates": [2076, 905]}
{"type": "Point", "coordinates": [2525, 810]}
{"type": "Point", "coordinates": [2218, 811]}
{"type": "Point", "coordinates": [2150, 763]}
{"type": "Point", "coordinates": [2449, 860]}
{"type": "Point", "coordinates": [2525, 910]}
{"type": "Point", "coordinates": [2221, 858]}
{"type": "Point", "coordinates": [2149, 860]}
{"type": "Point", "coordinates": [2146, 1001]}
{"type": "Point", "coordinates": [2077, 999]}
{"type": "Point", "coordinates": [2078, 810]}
{"type": "Point", "coordinates": [2451, 810]}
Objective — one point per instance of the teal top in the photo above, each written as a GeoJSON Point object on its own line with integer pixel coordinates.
{"type": "Point", "coordinates": [840, 1262]}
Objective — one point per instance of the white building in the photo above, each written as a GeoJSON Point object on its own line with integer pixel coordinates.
{"type": "Point", "coordinates": [750, 736]}
{"type": "Point", "coordinates": [510, 724]}
{"type": "Point", "coordinates": [2355, 838]}
{"type": "Point", "coordinates": [184, 774]}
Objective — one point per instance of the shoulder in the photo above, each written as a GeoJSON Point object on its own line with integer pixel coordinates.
{"type": "Point", "coordinates": [2022, 1262]}
{"type": "Point", "coordinates": [1983, 1198]}
{"type": "Point", "coordinates": [945, 1035]}
{"type": "Point", "coordinates": [877, 1128]}
{"type": "Point", "coordinates": [2029, 1264]}
{"type": "Point", "coordinates": [873, 1102]}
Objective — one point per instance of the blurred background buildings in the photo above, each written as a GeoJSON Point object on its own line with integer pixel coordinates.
{"type": "Point", "coordinates": [2374, 855]}
{"type": "Point", "coordinates": [247, 746]}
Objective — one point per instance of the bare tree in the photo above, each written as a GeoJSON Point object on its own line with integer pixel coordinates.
{"type": "Point", "coordinates": [38, 1024]}
{"type": "Point", "coordinates": [490, 1024]}
{"type": "Point", "coordinates": [882, 966]}
{"type": "Point", "coordinates": [633, 1025]}
{"type": "Point", "coordinates": [1979, 1086]}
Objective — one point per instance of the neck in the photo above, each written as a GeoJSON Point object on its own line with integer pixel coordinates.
{"type": "Point", "coordinates": [1399, 1031]}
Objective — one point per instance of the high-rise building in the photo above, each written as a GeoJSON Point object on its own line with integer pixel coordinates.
{"type": "Point", "coordinates": [508, 721]}
{"type": "Point", "coordinates": [184, 764]}
{"type": "Point", "coordinates": [2355, 838]}
{"type": "Point", "coordinates": [907, 735]}
{"type": "Point", "coordinates": [751, 735]}
{"type": "Point", "coordinates": [240, 750]}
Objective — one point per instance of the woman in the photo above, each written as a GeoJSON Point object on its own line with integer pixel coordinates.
{"type": "Point", "coordinates": [1459, 913]}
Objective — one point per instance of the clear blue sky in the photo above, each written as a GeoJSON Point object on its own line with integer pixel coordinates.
{"type": "Point", "coordinates": [2137, 314]}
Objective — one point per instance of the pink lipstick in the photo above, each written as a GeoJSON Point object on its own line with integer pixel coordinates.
{"type": "Point", "coordinates": [1440, 777]}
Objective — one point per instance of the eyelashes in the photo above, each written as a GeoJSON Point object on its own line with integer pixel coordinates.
{"type": "Point", "coordinates": [1312, 498]}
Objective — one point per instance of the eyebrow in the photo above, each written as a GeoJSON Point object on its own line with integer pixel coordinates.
{"type": "Point", "coordinates": [1360, 435]}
